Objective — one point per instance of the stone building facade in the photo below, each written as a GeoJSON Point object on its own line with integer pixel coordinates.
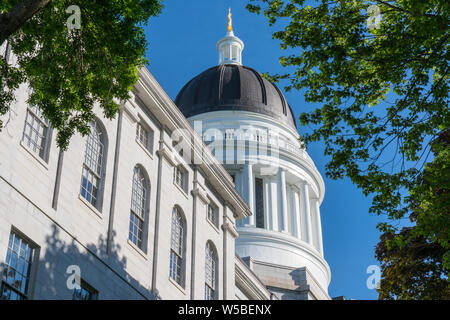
{"type": "Point", "coordinates": [148, 207]}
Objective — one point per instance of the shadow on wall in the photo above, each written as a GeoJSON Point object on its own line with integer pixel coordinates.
{"type": "Point", "coordinates": [105, 273]}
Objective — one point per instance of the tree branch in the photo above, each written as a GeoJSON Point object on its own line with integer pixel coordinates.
{"type": "Point", "coordinates": [13, 19]}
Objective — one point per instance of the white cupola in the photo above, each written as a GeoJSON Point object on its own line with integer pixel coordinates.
{"type": "Point", "coordinates": [230, 47]}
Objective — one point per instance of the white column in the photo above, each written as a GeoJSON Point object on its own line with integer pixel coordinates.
{"type": "Point", "coordinates": [307, 213]}
{"type": "Point", "coordinates": [297, 219]}
{"type": "Point", "coordinates": [249, 196]}
{"type": "Point", "coordinates": [318, 224]}
{"type": "Point", "coordinates": [267, 205]}
{"type": "Point", "coordinates": [274, 205]}
{"type": "Point", "coordinates": [283, 199]}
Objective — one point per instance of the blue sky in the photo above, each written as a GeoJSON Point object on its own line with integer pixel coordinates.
{"type": "Point", "coordinates": [182, 43]}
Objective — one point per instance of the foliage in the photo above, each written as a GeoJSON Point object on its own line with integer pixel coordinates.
{"type": "Point", "coordinates": [69, 71]}
{"type": "Point", "coordinates": [414, 260]}
{"type": "Point", "coordinates": [384, 92]}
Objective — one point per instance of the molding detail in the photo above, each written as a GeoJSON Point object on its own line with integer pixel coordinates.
{"type": "Point", "coordinates": [231, 229]}
{"type": "Point", "coordinates": [164, 153]}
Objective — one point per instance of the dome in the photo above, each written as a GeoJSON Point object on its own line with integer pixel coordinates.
{"type": "Point", "coordinates": [234, 87]}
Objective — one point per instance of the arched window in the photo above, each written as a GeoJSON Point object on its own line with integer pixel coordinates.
{"type": "Point", "coordinates": [177, 247]}
{"type": "Point", "coordinates": [94, 158]}
{"type": "Point", "coordinates": [139, 199]}
{"type": "Point", "coordinates": [210, 272]}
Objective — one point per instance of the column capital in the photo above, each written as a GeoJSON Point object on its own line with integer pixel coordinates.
{"type": "Point", "coordinates": [303, 182]}
{"type": "Point", "coordinates": [231, 229]}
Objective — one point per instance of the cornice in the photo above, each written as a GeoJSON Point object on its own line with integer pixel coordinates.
{"type": "Point", "coordinates": [274, 237]}
{"type": "Point", "coordinates": [174, 119]}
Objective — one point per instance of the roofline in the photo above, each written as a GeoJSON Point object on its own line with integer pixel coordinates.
{"type": "Point", "coordinates": [171, 117]}
{"type": "Point", "coordinates": [193, 108]}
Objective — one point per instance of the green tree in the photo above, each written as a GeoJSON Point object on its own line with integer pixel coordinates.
{"type": "Point", "coordinates": [412, 260]}
{"type": "Point", "coordinates": [68, 70]}
{"type": "Point", "coordinates": [382, 82]}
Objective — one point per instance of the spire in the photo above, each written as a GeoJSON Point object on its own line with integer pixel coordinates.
{"type": "Point", "coordinates": [230, 47]}
{"type": "Point", "coordinates": [229, 26]}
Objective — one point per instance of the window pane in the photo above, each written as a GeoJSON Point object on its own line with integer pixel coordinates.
{"type": "Point", "coordinates": [84, 292]}
{"type": "Point", "coordinates": [35, 132]}
{"type": "Point", "coordinates": [92, 167]}
{"type": "Point", "coordinates": [139, 195]}
{"type": "Point", "coordinates": [212, 213]}
{"type": "Point", "coordinates": [17, 269]}
{"type": "Point", "coordinates": [176, 252]}
{"type": "Point", "coordinates": [210, 272]}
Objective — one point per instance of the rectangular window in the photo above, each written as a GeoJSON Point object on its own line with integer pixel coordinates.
{"type": "Point", "coordinates": [16, 275]}
{"type": "Point", "coordinates": [35, 132]}
{"type": "Point", "coordinates": [89, 186]}
{"type": "Point", "coordinates": [175, 267]}
{"type": "Point", "coordinates": [213, 214]}
{"type": "Point", "coordinates": [136, 229]}
{"type": "Point", "coordinates": [84, 292]}
{"type": "Point", "coordinates": [145, 136]}
{"type": "Point", "coordinates": [259, 202]}
{"type": "Point", "coordinates": [180, 177]}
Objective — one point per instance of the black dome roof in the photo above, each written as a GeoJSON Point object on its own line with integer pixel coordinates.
{"type": "Point", "coordinates": [233, 87]}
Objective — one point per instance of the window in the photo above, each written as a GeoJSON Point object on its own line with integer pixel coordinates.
{"type": "Point", "coordinates": [259, 203]}
{"type": "Point", "coordinates": [210, 272]}
{"type": "Point", "coordinates": [36, 132]}
{"type": "Point", "coordinates": [177, 247]}
{"type": "Point", "coordinates": [15, 281]}
{"type": "Point", "coordinates": [212, 213]}
{"type": "Point", "coordinates": [180, 177]}
{"type": "Point", "coordinates": [84, 292]}
{"type": "Point", "coordinates": [145, 136]}
{"type": "Point", "coordinates": [139, 195]}
{"type": "Point", "coordinates": [91, 180]}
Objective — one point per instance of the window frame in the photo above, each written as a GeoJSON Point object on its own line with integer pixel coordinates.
{"type": "Point", "coordinates": [148, 143]}
{"type": "Point", "coordinates": [177, 260]}
{"type": "Point", "coordinates": [181, 175]}
{"type": "Point", "coordinates": [43, 148]}
{"type": "Point", "coordinates": [143, 218]}
{"type": "Point", "coordinates": [99, 174]}
{"type": "Point", "coordinates": [211, 258]}
{"type": "Point", "coordinates": [215, 215]}
{"type": "Point", "coordinates": [88, 288]}
{"type": "Point", "coordinates": [33, 260]}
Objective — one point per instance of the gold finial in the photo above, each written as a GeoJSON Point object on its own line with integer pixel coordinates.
{"type": "Point", "coordinates": [229, 27]}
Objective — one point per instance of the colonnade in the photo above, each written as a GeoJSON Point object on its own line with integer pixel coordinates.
{"type": "Point", "coordinates": [288, 208]}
